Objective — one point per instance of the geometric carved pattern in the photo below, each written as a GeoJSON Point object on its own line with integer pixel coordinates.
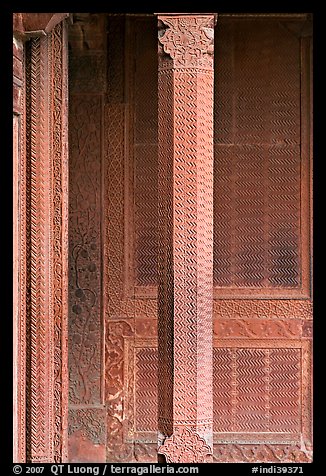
{"type": "Point", "coordinates": [185, 227]}
{"type": "Point", "coordinates": [257, 156]}
{"type": "Point", "coordinates": [258, 215]}
{"type": "Point", "coordinates": [117, 304]}
{"type": "Point", "coordinates": [257, 390]}
{"type": "Point", "coordinates": [257, 328]}
{"type": "Point", "coordinates": [250, 319]}
{"type": "Point", "coordinates": [59, 167]}
{"type": "Point", "coordinates": [146, 390]}
{"type": "Point", "coordinates": [145, 156]}
{"type": "Point", "coordinates": [46, 247]}
{"type": "Point", "coordinates": [118, 172]}
{"type": "Point", "coordinates": [130, 268]}
{"type": "Point", "coordinates": [38, 305]}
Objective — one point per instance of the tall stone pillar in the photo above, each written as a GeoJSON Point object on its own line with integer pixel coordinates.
{"type": "Point", "coordinates": [185, 299]}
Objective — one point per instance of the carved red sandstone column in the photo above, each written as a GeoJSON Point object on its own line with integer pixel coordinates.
{"type": "Point", "coordinates": [186, 231]}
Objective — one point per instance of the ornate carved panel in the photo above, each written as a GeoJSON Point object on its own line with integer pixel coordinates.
{"type": "Point", "coordinates": [257, 323]}
{"type": "Point", "coordinates": [87, 74]}
{"type": "Point", "coordinates": [262, 309]}
{"type": "Point", "coordinates": [38, 332]}
{"type": "Point", "coordinates": [146, 378]}
{"type": "Point", "coordinates": [119, 446]}
{"type": "Point", "coordinates": [261, 177]}
{"type": "Point", "coordinates": [59, 167]}
{"type": "Point", "coordinates": [121, 298]}
{"type": "Point", "coordinates": [262, 161]}
{"type": "Point", "coordinates": [262, 313]}
{"type": "Point", "coordinates": [261, 389]}
{"type": "Point", "coordinates": [85, 332]}
{"type": "Point", "coordinates": [257, 390]}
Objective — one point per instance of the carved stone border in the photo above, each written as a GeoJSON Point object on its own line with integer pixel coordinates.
{"type": "Point", "coordinates": [43, 251]}
{"type": "Point", "coordinates": [19, 249]}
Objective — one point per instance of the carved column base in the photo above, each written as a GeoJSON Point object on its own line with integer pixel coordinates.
{"type": "Point", "coordinates": [186, 446]}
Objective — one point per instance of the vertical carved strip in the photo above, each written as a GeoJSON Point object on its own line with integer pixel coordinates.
{"type": "Point", "coordinates": [59, 159]}
{"type": "Point", "coordinates": [118, 449]}
{"type": "Point", "coordinates": [15, 286]}
{"type": "Point", "coordinates": [20, 362]}
{"type": "Point", "coordinates": [87, 90]}
{"type": "Point", "coordinates": [165, 258]}
{"type": "Point", "coordinates": [39, 395]}
{"type": "Point", "coordinates": [115, 307]}
{"type": "Point", "coordinates": [46, 248]}
{"type": "Point", "coordinates": [186, 226]}
{"type": "Point", "coordinates": [85, 361]}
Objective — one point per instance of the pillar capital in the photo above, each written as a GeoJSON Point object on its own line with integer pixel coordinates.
{"type": "Point", "coordinates": [186, 39]}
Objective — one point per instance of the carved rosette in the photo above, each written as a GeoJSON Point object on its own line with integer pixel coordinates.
{"type": "Point", "coordinates": [185, 446]}
{"type": "Point", "coordinates": [187, 40]}
{"type": "Point", "coordinates": [185, 264]}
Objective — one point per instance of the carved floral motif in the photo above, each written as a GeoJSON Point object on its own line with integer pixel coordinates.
{"type": "Point", "coordinates": [90, 421]}
{"type": "Point", "coordinates": [262, 453]}
{"type": "Point", "coordinates": [185, 446]}
{"type": "Point", "coordinates": [189, 40]}
{"type": "Point", "coordinates": [85, 364]}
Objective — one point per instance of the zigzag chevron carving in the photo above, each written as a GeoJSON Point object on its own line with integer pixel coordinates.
{"type": "Point", "coordinates": [257, 390]}
{"type": "Point", "coordinates": [253, 176]}
{"type": "Point", "coordinates": [185, 269]}
{"type": "Point", "coordinates": [257, 155]}
{"type": "Point", "coordinates": [46, 243]}
{"type": "Point", "coordinates": [40, 399]}
{"type": "Point", "coordinates": [146, 378]}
